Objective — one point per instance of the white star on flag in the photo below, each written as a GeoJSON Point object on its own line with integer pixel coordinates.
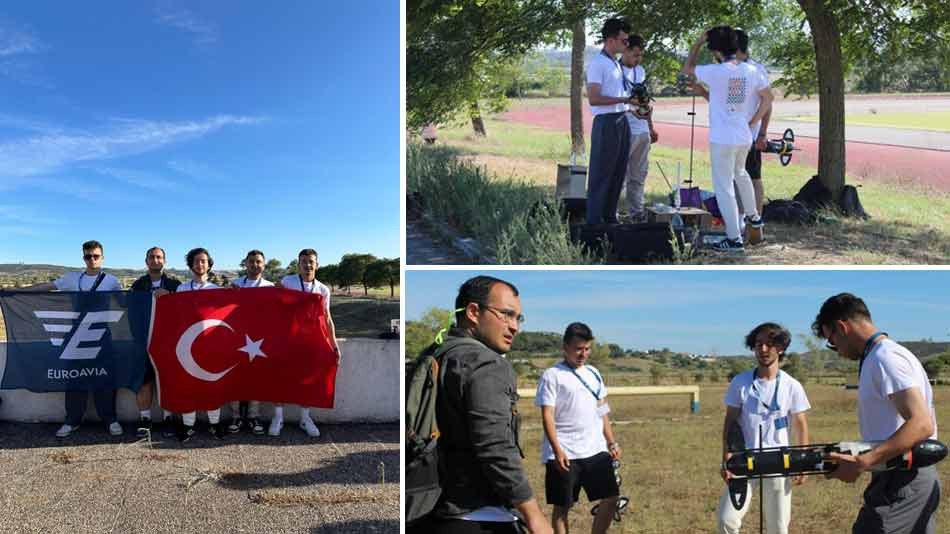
{"type": "Point", "coordinates": [252, 348]}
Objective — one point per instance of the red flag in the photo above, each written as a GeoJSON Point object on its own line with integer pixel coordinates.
{"type": "Point", "coordinates": [267, 344]}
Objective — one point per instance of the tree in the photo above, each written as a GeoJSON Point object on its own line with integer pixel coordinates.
{"type": "Point", "coordinates": [352, 267]}
{"type": "Point", "coordinates": [272, 270]}
{"type": "Point", "coordinates": [376, 273]}
{"type": "Point", "coordinates": [329, 274]}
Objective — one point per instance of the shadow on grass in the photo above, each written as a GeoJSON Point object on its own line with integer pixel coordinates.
{"type": "Point", "coordinates": [358, 526]}
{"type": "Point", "coordinates": [373, 467]}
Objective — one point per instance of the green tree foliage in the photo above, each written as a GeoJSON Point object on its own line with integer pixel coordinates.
{"type": "Point", "coordinates": [352, 267]}
{"type": "Point", "coordinates": [657, 372]}
{"type": "Point", "coordinates": [329, 274]}
{"type": "Point", "coordinates": [381, 272]}
{"type": "Point", "coordinates": [420, 334]}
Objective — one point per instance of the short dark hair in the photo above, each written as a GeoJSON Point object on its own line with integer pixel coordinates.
{"type": "Point", "coordinates": [722, 39]}
{"type": "Point", "coordinates": [149, 251]}
{"type": "Point", "coordinates": [636, 41]}
{"type": "Point", "coordinates": [190, 257]}
{"type": "Point", "coordinates": [613, 26]}
{"type": "Point", "coordinates": [476, 289]}
{"type": "Point", "coordinates": [254, 252]}
{"type": "Point", "coordinates": [841, 307]}
{"type": "Point", "coordinates": [742, 41]}
{"type": "Point", "coordinates": [577, 330]}
{"type": "Point", "coordinates": [779, 337]}
{"type": "Point", "coordinates": [308, 252]}
{"type": "Point", "coordinates": [92, 244]}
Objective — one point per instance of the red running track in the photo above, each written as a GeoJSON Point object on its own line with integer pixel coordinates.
{"type": "Point", "coordinates": [929, 169]}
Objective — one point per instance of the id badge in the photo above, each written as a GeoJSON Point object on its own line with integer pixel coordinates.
{"type": "Point", "coordinates": [781, 422]}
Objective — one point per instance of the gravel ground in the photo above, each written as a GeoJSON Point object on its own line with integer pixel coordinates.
{"type": "Point", "coordinates": [345, 481]}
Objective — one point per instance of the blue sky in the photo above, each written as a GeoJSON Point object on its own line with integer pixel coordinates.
{"type": "Point", "coordinates": [228, 125]}
{"type": "Point", "coordinates": [705, 312]}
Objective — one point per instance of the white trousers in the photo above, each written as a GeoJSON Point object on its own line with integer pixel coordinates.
{"type": "Point", "coordinates": [728, 168]}
{"type": "Point", "coordinates": [777, 497]}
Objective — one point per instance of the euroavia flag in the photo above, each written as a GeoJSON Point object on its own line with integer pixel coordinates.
{"type": "Point", "coordinates": [266, 344]}
{"type": "Point", "coordinates": [75, 341]}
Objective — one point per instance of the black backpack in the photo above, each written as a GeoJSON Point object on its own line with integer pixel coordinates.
{"type": "Point", "coordinates": [423, 376]}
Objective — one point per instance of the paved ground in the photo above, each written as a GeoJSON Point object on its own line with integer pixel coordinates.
{"type": "Point", "coordinates": [346, 481]}
{"type": "Point", "coordinates": [904, 156]}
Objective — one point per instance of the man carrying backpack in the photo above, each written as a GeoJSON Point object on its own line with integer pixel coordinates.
{"type": "Point", "coordinates": [482, 479]}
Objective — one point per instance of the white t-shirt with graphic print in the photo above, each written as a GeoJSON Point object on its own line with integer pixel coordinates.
{"type": "Point", "coordinates": [731, 85]}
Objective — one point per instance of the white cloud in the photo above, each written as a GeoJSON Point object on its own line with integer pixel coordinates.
{"type": "Point", "coordinates": [197, 170]}
{"type": "Point", "coordinates": [143, 179]}
{"type": "Point", "coordinates": [55, 150]}
{"type": "Point", "coordinates": [182, 19]}
{"type": "Point", "coordinates": [16, 40]}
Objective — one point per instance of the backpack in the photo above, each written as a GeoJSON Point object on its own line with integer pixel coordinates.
{"type": "Point", "coordinates": [423, 376]}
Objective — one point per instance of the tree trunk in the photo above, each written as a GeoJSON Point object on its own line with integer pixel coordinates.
{"type": "Point", "coordinates": [478, 125]}
{"type": "Point", "coordinates": [578, 45]}
{"type": "Point", "coordinates": [392, 289]}
{"type": "Point", "coordinates": [827, 39]}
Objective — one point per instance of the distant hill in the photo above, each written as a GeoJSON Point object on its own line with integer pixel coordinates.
{"type": "Point", "coordinates": [30, 271]}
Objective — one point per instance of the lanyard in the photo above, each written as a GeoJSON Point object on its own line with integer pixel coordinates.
{"type": "Point", "coordinates": [95, 285]}
{"type": "Point", "coordinates": [773, 406]}
{"type": "Point", "coordinates": [867, 348]}
{"type": "Point", "coordinates": [600, 383]}
{"type": "Point", "coordinates": [313, 288]}
{"type": "Point", "coordinates": [623, 79]}
{"type": "Point", "coordinates": [199, 287]}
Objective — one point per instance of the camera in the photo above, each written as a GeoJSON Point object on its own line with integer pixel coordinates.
{"type": "Point", "coordinates": [640, 97]}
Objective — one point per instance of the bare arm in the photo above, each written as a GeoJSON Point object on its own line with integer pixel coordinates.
{"type": "Point", "coordinates": [689, 68]}
{"type": "Point", "coordinates": [732, 414]}
{"type": "Point", "coordinates": [42, 286]}
{"type": "Point", "coordinates": [800, 436]}
{"type": "Point", "coordinates": [534, 517]}
{"type": "Point", "coordinates": [596, 99]}
{"type": "Point", "coordinates": [550, 431]}
{"type": "Point", "coordinates": [917, 427]}
{"type": "Point", "coordinates": [612, 445]}
{"type": "Point", "coordinates": [765, 105]}
{"type": "Point", "coordinates": [332, 330]}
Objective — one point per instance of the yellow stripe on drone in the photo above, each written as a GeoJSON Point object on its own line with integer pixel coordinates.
{"type": "Point", "coordinates": [786, 460]}
{"type": "Point", "coordinates": [750, 463]}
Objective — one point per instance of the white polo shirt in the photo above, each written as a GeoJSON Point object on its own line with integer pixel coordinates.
{"type": "Point", "coordinates": [80, 281]}
{"type": "Point", "coordinates": [636, 75]}
{"type": "Point", "coordinates": [609, 74]}
{"type": "Point", "coordinates": [759, 405]}
{"type": "Point", "coordinates": [191, 285]}
{"type": "Point", "coordinates": [293, 281]}
{"type": "Point", "coordinates": [764, 76]}
{"type": "Point", "coordinates": [731, 85]}
{"type": "Point", "coordinates": [578, 420]}
{"type": "Point", "coordinates": [888, 369]}
{"type": "Point", "coordinates": [242, 281]}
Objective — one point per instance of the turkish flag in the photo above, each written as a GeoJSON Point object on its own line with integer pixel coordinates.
{"type": "Point", "coordinates": [266, 344]}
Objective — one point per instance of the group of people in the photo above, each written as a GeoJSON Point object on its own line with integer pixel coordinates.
{"type": "Point", "coordinates": [740, 106]}
{"type": "Point", "coordinates": [484, 485]}
{"type": "Point", "coordinates": [246, 415]}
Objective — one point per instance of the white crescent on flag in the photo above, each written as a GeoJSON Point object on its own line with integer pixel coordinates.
{"type": "Point", "coordinates": [187, 360]}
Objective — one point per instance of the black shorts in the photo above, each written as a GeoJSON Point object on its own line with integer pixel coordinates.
{"type": "Point", "coordinates": [595, 474]}
{"type": "Point", "coordinates": [434, 525]}
{"type": "Point", "coordinates": [753, 163]}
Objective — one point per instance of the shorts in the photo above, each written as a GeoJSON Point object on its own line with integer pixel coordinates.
{"type": "Point", "coordinates": [753, 163]}
{"type": "Point", "coordinates": [149, 372]}
{"type": "Point", "coordinates": [595, 474]}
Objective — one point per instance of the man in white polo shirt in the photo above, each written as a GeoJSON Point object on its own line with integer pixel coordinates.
{"type": "Point", "coordinates": [766, 402]}
{"type": "Point", "coordinates": [642, 132]}
{"type": "Point", "coordinates": [305, 280]}
{"type": "Point", "coordinates": [731, 85]}
{"type": "Point", "coordinates": [610, 133]}
{"type": "Point", "coordinates": [578, 448]}
{"type": "Point", "coordinates": [895, 407]}
{"type": "Point", "coordinates": [92, 279]}
{"type": "Point", "coordinates": [246, 414]}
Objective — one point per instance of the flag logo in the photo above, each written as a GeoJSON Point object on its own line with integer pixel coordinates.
{"type": "Point", "coordinates": [85, 333]}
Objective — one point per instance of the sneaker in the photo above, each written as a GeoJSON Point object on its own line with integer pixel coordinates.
{"type": "Point", "coordinates": [755, 222]}
{"type": "Point", "coordinates": [275, 426]}
{"type": "Point", "coordinates": [168, 428]}
{"type": "Point", "coordinates": [145, 428]}
{"type": "Point", "coordinates": [257, 427]}
{"type": "Point", "coordinates": [216, 431]}
{"type": "Point", "coordinates": [729, 245]}
{"type": "Point", "coordinates": [311, 429]}
{"type": "Point", "coordinates": [66, 430]}
{"type": "Point", "coordinates": [236, 424]}
{"type": "Point", "coordinates": [115, 428]}
{"type": "Point", "coordinates": [185, 433]}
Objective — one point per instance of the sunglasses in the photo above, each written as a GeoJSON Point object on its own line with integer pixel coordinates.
{"type": "Point", "coordinates": [88, 257]}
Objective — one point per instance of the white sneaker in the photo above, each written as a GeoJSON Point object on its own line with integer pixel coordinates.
{"type": "Point", "coordinates": [275, 426]}
{"type": "Point", "coordinates": [65, 430]}
{"type": "Point", "coordinates": [311, 429]}
{"type": "Point", "coordinates": [115, 428]}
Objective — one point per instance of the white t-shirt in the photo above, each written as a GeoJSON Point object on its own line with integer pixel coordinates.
{"type": "Point", "coordinates": [191, 285]}
{"type": "Point", "coordinates": [242, 281]}
{"type": "Point", "coordinates": [80, 281]}
{"type": "Point", "coordinates": [292, 281]}
{"type": "Point", "coordinates": [608, 73]}
{"type": "Point", "coordinates": [636, 75]}
{"type": "Point", "coordinates": [578, 420]}
{"type": "Point", "coordinates": [755, 398]}
{"type": "Point", "coordinates": [730, 88]}
{"type": "Point", "coordinates": [764, 75]}
{"type": "Point", "coordinates": [888, 369]}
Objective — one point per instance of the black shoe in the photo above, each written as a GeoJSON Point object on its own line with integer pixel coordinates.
{"type": "Point", "coordinates": [168, 428]}
{"type": "Point", "coordinates": [257, 427]}
{"type": "Point", "coordinates": [729, 245]}
{"type": "Point", "coordinates": [185, 433]}
{"type": "Point", "coordinates": [216, 430]}
{"type": "Point", "coordinates": [144, 429]}
{"type": "Point", "coordinates": [236, 425]}
{"type": "Point", "coordinates": [754, 222]}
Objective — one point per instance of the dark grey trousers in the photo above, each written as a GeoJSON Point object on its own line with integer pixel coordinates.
{"type": "Point", "coordinates": [76, 405]}
{"type": "Point", "coordinates": [609, 150]}
{"type": "Point", "coordinates": [900, 502]}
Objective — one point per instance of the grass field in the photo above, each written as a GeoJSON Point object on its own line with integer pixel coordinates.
{"type": "Point", "coordinates": [937, 121]}
{"type": "Point", "coordinates": [908, 224]}
{"type": "Point", "coordinates": [671, 463]}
